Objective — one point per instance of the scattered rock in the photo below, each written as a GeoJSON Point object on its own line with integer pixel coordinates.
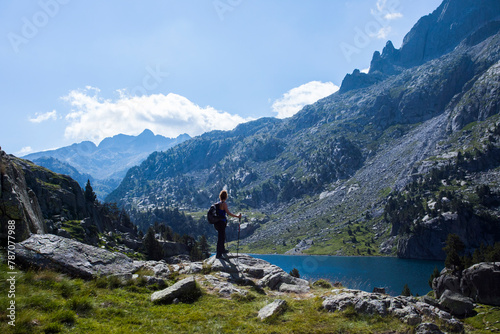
{"type": "Point", "coordinates": [183, 290]}
{"type": "Point", "coordinates": [409, 310]}
{"type": "Point", "coordinates": [275, 308]}
{"type": "Point", "coordinates": [379, 290]}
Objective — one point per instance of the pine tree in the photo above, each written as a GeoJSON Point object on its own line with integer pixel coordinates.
{"type": "Point", "coordinates": [89, 194]}
{"type": "Point", "coordinates": [454, 246]}
{"type": "Point", "coordinates": [406, 291]}
{"type": "Point", "coordinates": [152, 246]}
{"type": "Point", "coordinates": [204, 247]}
{"type": "Point", "coordinates": [435, 274]}
{"type": "Point", "coordinates": [295, 273]}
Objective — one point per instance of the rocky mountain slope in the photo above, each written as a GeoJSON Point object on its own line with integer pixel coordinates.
{"type": "Point", "coordinates": [39, 201]}
{"type": "Point", "coordinates": [327, 174]}
{"type": "Point", "coordinates": [105, 164]}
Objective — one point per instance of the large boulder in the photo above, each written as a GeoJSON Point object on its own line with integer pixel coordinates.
{"type": "Point", "coordinates": [72, 257]}
{"type": "Point", "coordinates": [456, 303]}
{"type": "Point", "coordinates": [481, 282]}
{"type": "Point", "coordinates": [447, 280]}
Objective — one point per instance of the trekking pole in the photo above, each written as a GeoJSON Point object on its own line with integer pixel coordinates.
{"type": "Point", "coordinates": [238, 244]}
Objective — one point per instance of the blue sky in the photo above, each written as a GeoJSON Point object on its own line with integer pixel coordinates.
{"type": "Point", "coordinates": [74, 70]}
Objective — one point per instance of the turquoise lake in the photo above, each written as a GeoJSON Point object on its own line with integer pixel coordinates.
{"type": "Point", "coordinates": [363, 273]}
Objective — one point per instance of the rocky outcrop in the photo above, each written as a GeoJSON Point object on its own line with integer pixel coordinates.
{"type": "Point", "coordinates": [440, 32]}
{"type": "Point", "coordinates": [410, 310]}
{"type": "Point", "coordinates": [479, 102]}
{"type": "Point", "coordinates": [57, 194]}
{"type": "Point", "coordinates": [428, 243]}
{"type": "Point", "coordinates": [72, 257]}
{"type": "Point", "coordinates": [245, 267]}
{"type": "Point", "coordinates": [18, 202]}
{"type": "Point", "coordinates": [41, 201]}
{"type": "Point", "coordinates": [479, 282]}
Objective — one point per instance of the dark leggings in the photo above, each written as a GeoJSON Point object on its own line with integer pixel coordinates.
{"type": "Point", "coordinates": [221, 237]}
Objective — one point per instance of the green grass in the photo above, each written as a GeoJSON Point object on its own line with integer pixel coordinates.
{"type": "Point", "coordinates": [49, 302]}
{"type": "Point", "coordinates": [74, 228]}
{"type": "Point", "coordinates": [487, 319]}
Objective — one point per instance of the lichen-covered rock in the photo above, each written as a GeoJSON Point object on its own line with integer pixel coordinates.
{"type": "Point", "coordinates": [275, 308]}
{"type": "Point", "coordinates": [72, 257]}
{"type": "Point", "coordinates": [182, 290]}
{"type": "Point", "coordinates": [248, 267]}
{"type": "Point", "coordinates": [294, 288]}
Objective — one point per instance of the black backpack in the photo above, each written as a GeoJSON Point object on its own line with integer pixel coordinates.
{"type": "Point", "coordinates": [212, 215]}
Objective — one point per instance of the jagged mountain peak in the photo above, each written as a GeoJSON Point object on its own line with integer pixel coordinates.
{"type": "Point", "coordinates": [433, 36]}
{"type": "Point", "coordinates": [442, 30]}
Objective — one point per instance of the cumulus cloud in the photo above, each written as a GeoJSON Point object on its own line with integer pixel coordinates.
{"type": "Point", "coordinates": [24, 151]}
{"type": "Point", "coordinates": [94, 118]}
{"type": "Point", "coordinates": [296, 98]}
{"type": "Point", "coordinates": [39, 118]}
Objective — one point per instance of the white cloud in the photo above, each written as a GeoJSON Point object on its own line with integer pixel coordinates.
{"type": "Point", "coordinates": [296, 98]}
{"type": "Point", "coordinates": [94, 118]}
{"type": "Point", "coordinates": [389, 8]}
{"type": "Point", "coordinates": [382, 33]}
{"type": "Point", "coordinates": [393, 16]}
{"type": "Point", "coordinates": [39, 118]}
{"type": "Point", "coordinates": [24, 151]}
{"type": "Point", "coordinates": [365, 70]}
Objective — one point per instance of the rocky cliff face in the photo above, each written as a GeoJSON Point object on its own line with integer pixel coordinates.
{"type": "Point", "coordinates": [18, 202]}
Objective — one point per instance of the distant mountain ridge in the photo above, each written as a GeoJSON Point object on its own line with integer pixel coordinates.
{"type": "Point", "coordinates": [107, 163]}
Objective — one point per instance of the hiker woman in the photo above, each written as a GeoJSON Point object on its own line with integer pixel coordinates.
{"type": "Point", "coordinates": [222, 210]}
